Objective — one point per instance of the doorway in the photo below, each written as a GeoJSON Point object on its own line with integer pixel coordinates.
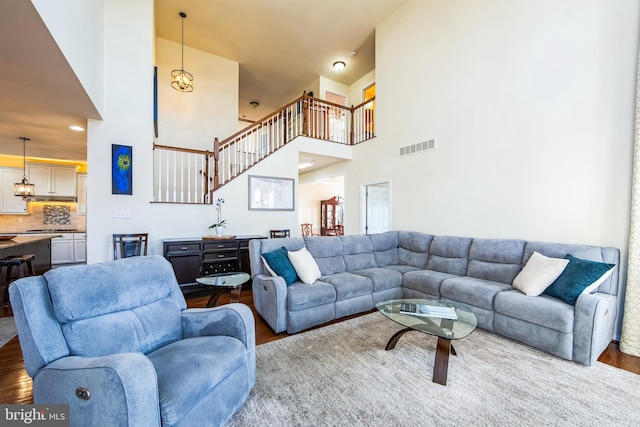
{"type": "Point", "coordinates": [377, 208]}
{"type": "Point", "coordinates": [337, 117]}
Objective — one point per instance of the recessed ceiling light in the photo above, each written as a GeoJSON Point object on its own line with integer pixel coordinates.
{"type": "Point", "coordinates": [76, 128]}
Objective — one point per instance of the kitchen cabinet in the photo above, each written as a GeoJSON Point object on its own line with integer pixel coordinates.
{"type": "Point", "coordinates": [62, 249]}
{"type": "Point", "coordinates": [52, 180]}
{"type": "Point", "coordinates": [80, 248]}
{"type": "Point", "coordinates": [82, 194]}
{"type": "Point", "coordinates": [70, 248]}
{"type": "Point", "coordinates": [192, 258]}
{"type": "Point", "coordinates": [10, 204]}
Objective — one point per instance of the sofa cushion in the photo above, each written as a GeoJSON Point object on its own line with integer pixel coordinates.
{"type": "Point", "coordinates": [385, 248]}
{"type": "Point", "coordinates": [539, 272]}
{"type": "Point", "coordinates": [498, 260]}
{"type": "Point", "coordinates": [382, 278]}
{"type": "Point", "coordinates": [401, 268]}
{"type": "Point", "coordinates": [358, 252]}
{"type": "Point", "coordinates": [425, 281]}
{"type": "Point", "coordinates": [305, 266]}
{"type": "Point", "coordinates": [413, 248]}
{"type": "Point", "coordinates": [579, 275]}
{"type": "Point", "coordinates": [449, 254]}
{"type": "Point", "coordinates": [278, 264]}
{"type": "Point", "coordinates": [475, 292]}
{"type": "Point", "coordinates": [183, 379]}
{"type": "Point", "coordinates": [292, 244]}
{"type": "Point", "coordinates": [327, 251]}
{"type": "Point", "coordinates": [134, 302]}
{"type": "Point", "coordinates": [349, 285]}
{"type": "Point", "coordinates": [542, 310]}
{"type": "Point", "coordinates": [301, 296]}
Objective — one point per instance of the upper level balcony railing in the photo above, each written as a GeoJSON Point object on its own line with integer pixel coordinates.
{"type": "Point", "coordinates": [184, 175]}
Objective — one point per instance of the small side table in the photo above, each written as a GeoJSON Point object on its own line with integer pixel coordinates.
{"type": "Point", "coordinates": [223, 282]}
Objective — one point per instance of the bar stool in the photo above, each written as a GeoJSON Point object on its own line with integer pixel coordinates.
{"type": "Point", "coordinates": [6, 267]}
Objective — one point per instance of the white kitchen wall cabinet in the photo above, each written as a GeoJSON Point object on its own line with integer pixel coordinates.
{"type": "Point", "coordinates": [52, 180]}
{"type": "Point", "coordinates": [10, 204]}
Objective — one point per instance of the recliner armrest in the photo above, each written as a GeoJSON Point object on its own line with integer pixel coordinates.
{"type": "Point", "coordinates": [270, 300]}
{"type": "Point", "coordinates": [122, 389]}
{"type": "Point", "coordinates": [593, 326]}
{"type": "Point", "coordinates": [233, 320]}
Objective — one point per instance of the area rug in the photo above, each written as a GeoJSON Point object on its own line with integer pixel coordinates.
{"type": "Point", "coordinates": [7, 330]}
{"type": "Point", "coordinates": [340, 375]}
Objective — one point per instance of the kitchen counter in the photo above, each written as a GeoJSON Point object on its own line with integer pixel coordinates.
{"type": "Point", "coordinates": [40, 246]}
{"type": "Point", "coordinates": [22, 240]}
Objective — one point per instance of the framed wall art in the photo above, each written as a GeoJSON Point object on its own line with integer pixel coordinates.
{"type": "Point", "coordinates": [121, 169]}
{"type": "Point", "coordinates": [268, 193]}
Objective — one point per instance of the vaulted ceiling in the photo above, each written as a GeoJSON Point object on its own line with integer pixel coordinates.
{"type": "Point", "coordinates": [282, 46]}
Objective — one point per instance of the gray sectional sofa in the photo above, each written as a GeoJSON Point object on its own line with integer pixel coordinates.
{"type": "Point", "coordinates": [359, 271]}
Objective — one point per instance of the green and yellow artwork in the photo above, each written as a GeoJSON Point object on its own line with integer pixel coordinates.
{"type": "Point", "coordinates": [121, 164]}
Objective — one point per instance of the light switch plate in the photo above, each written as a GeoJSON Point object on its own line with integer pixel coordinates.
{"type": "Point", "coordinates": [121, 214]}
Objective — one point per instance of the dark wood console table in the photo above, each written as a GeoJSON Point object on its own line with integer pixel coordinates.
{"type": "Point", "coordinates": [196, 257]}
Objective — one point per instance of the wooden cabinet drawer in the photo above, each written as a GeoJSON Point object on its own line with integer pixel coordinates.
{"type": "Point", "coordinates": [185, 247]}
{"type": "Point", "coordinates": [220, 255]}
{"type": "Point", "coordinates": [233, 244]}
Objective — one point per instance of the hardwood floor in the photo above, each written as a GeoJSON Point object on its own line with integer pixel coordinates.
{"type": "Point", "coordinates": [16, 385]}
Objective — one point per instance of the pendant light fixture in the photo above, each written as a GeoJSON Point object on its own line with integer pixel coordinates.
{"type": "Point", "coordinates": [24, 189]}
{"type": "Point", "coordinates": [182, 80]}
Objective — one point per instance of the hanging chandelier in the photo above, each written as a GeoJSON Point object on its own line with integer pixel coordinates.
{"type": "Point", "coordinates": [23, 188]}
{"type": "Point", "coordinates": [182, 80]}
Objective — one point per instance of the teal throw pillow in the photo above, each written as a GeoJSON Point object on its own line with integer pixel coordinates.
{"type": "Point", "coordinates": [576, 277]}
{"type": "Point", "coordinates": [278, 261]}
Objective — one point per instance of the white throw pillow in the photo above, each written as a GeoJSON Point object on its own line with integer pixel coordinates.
{"type": "Point", "coordinates": [267, 266]}
{"type": "Point", "coordinates": [305, 266]}
{"type": "Point", "coordinates": [595, 285]}
{"type": "Point", "coordinates": [538, 274]}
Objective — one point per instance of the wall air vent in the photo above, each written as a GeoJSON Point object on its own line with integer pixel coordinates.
{"type": "Point", "coordinates": [418, 148]}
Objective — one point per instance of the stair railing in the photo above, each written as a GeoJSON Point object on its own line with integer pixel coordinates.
{"type": "Point", "coordinates": [184, 175]}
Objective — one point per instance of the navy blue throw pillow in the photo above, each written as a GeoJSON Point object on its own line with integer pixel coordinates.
{"type": "Point", "coordinates": [278, 261]}
{"type": "Point", "coordinates": [576, 277]}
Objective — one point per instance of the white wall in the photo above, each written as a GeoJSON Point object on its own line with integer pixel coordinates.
{"type": "Point", "coordinates": [195, 118]}
{"type": "Point", "coordinates": [282, 164]}
{"type": "Point", "coordinates": [77, 26]}
{"type": "Point", "coordinates": [186, 119]}
{"type": "Point", "coordinates": [531, 104]}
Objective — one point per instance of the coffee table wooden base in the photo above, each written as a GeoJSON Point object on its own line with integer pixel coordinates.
{"type": "Point", "coordinates": [441, 363]}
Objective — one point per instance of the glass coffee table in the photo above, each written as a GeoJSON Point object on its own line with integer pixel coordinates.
{"type": "Point", "coordinates": [445, 329]}
{"type": "Point", "coordinates": [221, 283]}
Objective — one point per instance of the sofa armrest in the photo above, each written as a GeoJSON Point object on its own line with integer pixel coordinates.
{"type": "Point", "coordinates": [233, 320]}
{"type": "Point", "coordinates": [270, 300]}
{"type": "Point", "coordinates": [123, 389]}
{"type": "Point", "coordinates": [593, 326]}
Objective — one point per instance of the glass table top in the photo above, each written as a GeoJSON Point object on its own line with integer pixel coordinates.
{"type": "Point", "coordinates": [445, 328]}
{"type": "Point", "coordinates": [228, 280]}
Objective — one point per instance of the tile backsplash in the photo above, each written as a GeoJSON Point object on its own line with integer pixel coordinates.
{"type": "Point", "coordinates": [56, 214]}
{"type": "Point", "coordinates": [42, 216]}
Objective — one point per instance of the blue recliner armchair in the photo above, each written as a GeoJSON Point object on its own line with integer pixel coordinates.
{"type": "Point", "coordinates": [115, 341]}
